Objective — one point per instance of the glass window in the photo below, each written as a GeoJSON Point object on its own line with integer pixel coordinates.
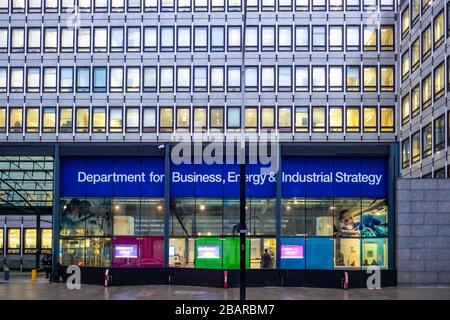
{"type": "Point", "coordinates": [318, 78]}
{"type": "Point", "coordinates": [116, 39]}
{"type": "Point", "coordinates": [200, 117]}
{"type": "Point", "coordinates": [49, 119]}
{"type": "Point", "coordinates": [82, 120]}
{"type": "Point", "coordinates": [415, 10]}
{"type": "Point", "coordinates": [335, 5]}
{"type": "Point", "coordinates": [387, 75]}
{"type": "Point", "coordinates": [2, 121]}
{"type": "Point", "coordinates": [301, 78]}
{"type": "Point", "coordinates": [268, 38]}
{"type": "Point", "coordinates": [51, 6]}
{"type": "Point", "coordinates": [32, 120]}
{"type": "Point", "coordinates": [251, 79]}
{"type": "Point", "coordinates": [149, 119]}
{"type": "Point", "coordinates": [234, 38]}
{"type": "Point", "coordinates": [116, 79]}
{"type": "Point", "coordinates": [284, 119]}
{"type": "Point", "coordinates": [3, 40]}
{"type": "Point", "coordinates": [284, 38]}
{"type": "Point", "coordinates": [183, 119]}
{"type": "Point", "coordinates": [319, 38]}
{"type": "Point", "coordinates": [370, 78]}
{"type": "Point", "coordinates": [405, 153]}
{"type": "Point", "coordinates": [166, 79]}
{"type": "Point", "coordinates": [335, 38]}
{"type": "Point", "coordinates": [184, 5]}
{"type": "Point", "coordinates": [166, 39]}
{"type": "Point", "coordinates": [439, 133]}
{"type": "Point", "coordinates": [34, 40]}
{"type": "Point", "coordinates": [14, 240]}
{"type": "Point", "coordinates": [426, 43]}
{"type": "Point", "coordinates": [15, 120]}
{"type": "Point", "coordinates": [319, 217]}
{"type": "Point", "coordinates": [217, 38]}
{"type": "Point", "coordinates": [66, 79]}
{"type": "Point", "coordinates": [267, 78]}
{"type": "Point", "coordinates": [387, 119]}
{"type": "Point", "coordinates": [150, 39]}
{"type": "Point", "coordinates": [132, 119]}
{"type": "Point", "coordinates": [405, 21]}
{"type": "Point", "coordinates": [49, 79]}
{"type": "Point", "coordinates": [99, 79]}
{"type": "Point", "coordinates": [318, 5]}
{"type": "Point", "coordinates": [200, 38]}
{"type": "Point", "coordinates": [216, 119]}
{"type": "Point", "coordinates": [353, 119]}
{"type": "Point", "coordinates": [117, 5]}
{"type": "Point", "coordinates": [18, 6]}
{"type": "Point", "coordinates": [183, 79]}
{"type": "Point", "coordinates": [3, 81]}
{"type": "Point", "coordinates": [234, 117]}
{"type": "Point", "coordinates": [301, 119]}
{"type": "Point", "coordinates": [415, 101]}
{"type": "Point", "coordinates": [166, 119]}
{"type": "Point", "coordinates": [415, 55]}
{"type": "Point", "coordinates": [318, 119]}
{"type": "Point", "coordinates": [16, 82]}
{"type": "Point", "coordinates": [302, 5]}
{"type": "Point", "coordinates": [184, 39]}
{"type": "Point", "coordinates": [284, 79]}
{"type": "Point", "coordinates": [150, 81]}
{"type": "Point", "coordinates": [50, 39]}
{"type": "Point", "coordinates": [405, 65]}
{"type": "Point", "coordinates": [65, 120]}
{"type": "Point", "coordinates": [17, 39]}
{"type": "Point", "coordinates": [426, 91]}
{"type": "Point", "coordinates": [387, 34]}
{"type": "Point", "coordinates": [439, 81]}
{"type": "Point", "coordinates": [133, 79]}
{"type": "Point", "coordinates": [133, 39]}
{"type": "Point", "coordinates": [405, 109]}
{"type": "Point", "coordinates": [370, 38]}
{"type": "Point", "coordinates": [217, 79]}
{"type": "Point", "coordinates": [200, 79]}
{"type": "Point", "coordinates": [150, 5]}
{"type": "Point", "coordinates": [33, 79]}
{"type": "Point", "coordinates": [84, 39]}
{"type": "Point", "coordinates": [98, 119]}
{"type": "Point", "coordinates": [352, 81]}
{"type": "Point", "coordinates": [133, 5]}
{"type": "Point", "coordinates": [335, 119]}
{"type": "Point", "coordinates": [370, 119]}
{"type": "Point", "coordinates": [267, 117]}
{"type": "Point", "coordinates": [115, 119]}
{"type": "Point", "coordinates": [301, 38]}
{"type": "Point", "coordinates": [353, 38]}
{"type": "Point", "coordinates": [439, 29]}
{"type": "Point", "coordinates": [83, 79]}
{"type": "Point", "coordinates": [251, 118]}
{"type": "Point", "coordinates": [67, 39]}
{"type": "Point", "coordinates": [347, 253]}
{"type": "Point", "coordinates": [427, 140]}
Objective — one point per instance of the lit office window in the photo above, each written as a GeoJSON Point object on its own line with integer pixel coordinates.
{"type": "Point", "coordinates": [352, 78]}
{"type": "Point", "coordinates": [284, 119]}
{"type": "Point", "coordinates": [51, 6]}
{"type": "Point", "coordinates": [200, 116]}
{"type": "Point", "coordinates": [18, 6]}
{"type": "Point", "coordinates": [183, 39]}
{"type": "Point", "coordinates": [165, 119]}
{"type": "Point", "coordinates": [387, 35]}
{"type": "Point", "coordinates": [149, 119]}
{"type": "Point", "coordinates": [370, 38]}
{"type": "Point", "coordinates": [16, 80]}
{"type": "Point", "coordinates": [14, 241]}
{"type": "Point", "coordinates": [284, 38]}
{"type": "Point", "coordinates": [301, 5]}
{"type": "Point", "coordinates": [234, 38]}
{"type": "Point", "coordinates": [166, 39]}
{"type": "Point", "coordinates": [200, 39]}
{"type": "Point", "coordinates": [98, 119]}
{"type": "Point", "coordinates": [184, 5]}
{"type": "Point", "coordinates": [387, 119]}
{"type": "Point", "coordinates": [426, 43]}
{"type": "Point", "coordinates": [84, 5]}
{"type": "Point", "coordinates": [33, 79]}
{"type": "Point", "coordinates": [49, 119]}
{"type": "Point", "coordinates": [133, 79]}
{"type": "Point", "coordinates": [217, 79]}
{"type": "Point", "coordinates": [67, 39]}
{"type": "Point", "coordinates": [318, 78]}
{"type": "Point", "coordinates": [150, 79]}
{"type": "Point", "coordinates": [285, 5]}
{"type": "Point", "coordinates": [439, 81]}
{"type": "Point", "coordinates": [200, 79]}
{"type": "Point", "coordinates": [268, 5]}
{"type": "Point", "coordinates": [415, 10]}
{"type": "Point", "coordinates": [318, 119]}
{"type": "Point", "coordinates": [83, 79]}
{"type": "Point", "coordinates": [84, 39]}
{"type": "Point", "coordinates": [319, 38]}
{"type": "Point", "coordinates": [216, 119]}
{"type": "Point", "coordinates": [116, 39]}
{"type": "Point", "coordinates": [405, 21]}
{"type": "Point", "coordinates": [427, 91]}
{"type": "Point", "coordinates": [15, 120]}
{"type": "Point", "coordinates": [415, 101]}
{"type": "Point", "coordinates": [438, 32]}
{"type": "Point", "coordinates": [133, 39]}
{"type": "Point", "coordinates": [150, 39]}
{"type": "Point", "coordinates": [336, 78]}
{"type": "Point", "coordinates": [405, 65]}
{"type": "Point", "coordinates": [405, 109]}
{"type": "Point", "coordinates": [302, 38]}
{"type": "Point", "coordinates": [267, 78]}
{"type": "Point", "coordinates": [415, 147]}
{"type": "Point", "coordinates": [117, 5]}
{"type": "Point", "coordinates": [336, 119]}
{"type": "Point", "coordinates": [415, 55]}
{"type": "Point", "coordinates": [251, 119]}
{"type": "Point", "coordinates": [115, 119]}
{"type": "Point", "coordinates": [3, 40]}
{"type": "Point", "coordinates": [427, 141]}
{"type": "Point", "coordinates": [406, 153]}
{"type": "Point", "coordinates": [301, 78]}
{"type": "Point", "coordinates": [82, 120]}
{"type": "Point", "coordinates": [183, 79]}
{"type": "Point", "coordinates": [32, 120]}
{"type": "Point", "coordinates": [353, 38]}
{"type": "Point", "coordinates": [50, 39]}
{"type": "Point", "coordinates": [335, 38]}
{"type": "Point", "coordinates": [2, 120]}
{"type": "Point", "coordinates": [267, 117]}
{"type": "Point", "coordinates": [150, 5]}
{"type": "Point", "coordinates": [301, 119]}
{"type": "Point", "coordinates": [284, 79]}
{"type": "Point", "coordinates": [34, 6]}
{"type": "Point", "coordinates": [34, 40]}
{"type": "Point", "coordinates": [370, 119]}
{"type": "Point", "coordinates": [183, 119]}
{"type": "Point", "coordinates": [370, 78]}
{"type": "Point", "coordinates": [268, 38]}
{"type": "Point", "coordinates": [132, 119]}
{"type": "Point", "coordinates": [234, 79]}
{"type": "Point", "coordinates": [251, 79]}
{"type": "Point", "coordinates": [439, 133]}
{"type": "Point", "coordinates": [30, 241]}
{"type": "Point", "coordinates": [217, 38]}
{"type": "Point", "coordinates": [116, 79]}
{"type": "Point", "coordinates": [234, 118]}
{"type": "Point", "coordinates": [17, 39]}
{"type": "Point", "coordinates": [352, 119]}
{"type": "Point", "coordinates": [65, 120]}
{"type": "Point", "coordinates": [49, 79]}
{"type": "Point", "coordinates": [3, 80]}
{"type": "Point", "coordinates": [166, 79]}
{"type": "Point", "coordinates": [99, 79]}
{"type": "Point", "coordinates": [335, 5]}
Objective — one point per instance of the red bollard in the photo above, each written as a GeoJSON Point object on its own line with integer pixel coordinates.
{"type": "Point", "coordinates": [346, 280]}
{"type": "Point", "coordinates": [225, 279]}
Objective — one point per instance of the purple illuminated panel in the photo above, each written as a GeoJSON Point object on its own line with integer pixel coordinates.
{"type": "Point", "coordinates": [126, 251]}
{"type": "Point", "coordinates": [208, 252]}
{"type": "Point", "coordinates": [291, 252]}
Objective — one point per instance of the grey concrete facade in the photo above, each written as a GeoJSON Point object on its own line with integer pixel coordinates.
{"type": "Point", "coordinates": [423, 231]}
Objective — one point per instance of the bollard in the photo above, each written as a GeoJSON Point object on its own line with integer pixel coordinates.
{"type": "Point", "coordinates": [106, 278]}
{"type": "Point", "coordinates": [33, 275]}
{"type": "Point", "coordinates": [346, 280]}
{"type": "Point", "coordinates": [225, 279]}
{"type": "Point", "coordinates": [6, 273]}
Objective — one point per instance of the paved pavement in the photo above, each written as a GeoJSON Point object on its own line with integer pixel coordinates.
{"type": "Point", "coordinates": [21, 287]}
